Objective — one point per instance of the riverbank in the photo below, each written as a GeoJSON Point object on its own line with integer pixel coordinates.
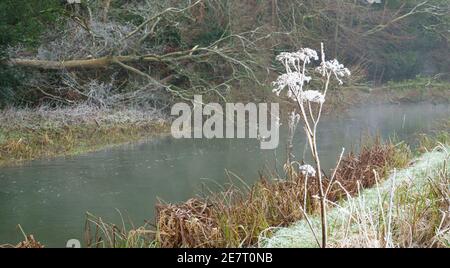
{"type": "Point", "coordinates": [407, 207]}
{"type": "Point", "coordinates": [410, 209]}
{"type": "Point", "coordinates": [27, 134]}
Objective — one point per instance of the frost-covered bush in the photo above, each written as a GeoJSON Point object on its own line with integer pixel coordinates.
{"type": "Point", "coordinates": [59, 117]}
{"type": "Point", "coordinates": [99, 39]}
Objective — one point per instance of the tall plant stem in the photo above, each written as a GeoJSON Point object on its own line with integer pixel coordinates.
{"type": "Point", "coordinates": [323, 211]}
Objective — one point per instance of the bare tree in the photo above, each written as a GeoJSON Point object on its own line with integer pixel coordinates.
{"type": "Point", "coordinates": [102, 43]}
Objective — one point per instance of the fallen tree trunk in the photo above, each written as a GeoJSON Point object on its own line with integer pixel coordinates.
{"type": "Point", "coordinates": [104, 62]}
{"type": "Point", "coordinates": [70, 64]}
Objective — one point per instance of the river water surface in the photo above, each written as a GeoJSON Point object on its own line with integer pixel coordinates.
{"type": "Point", "coordinates": [49, 198]}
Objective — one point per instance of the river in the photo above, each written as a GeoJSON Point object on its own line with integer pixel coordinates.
{"type": "Point", "coordinates": [49, 198]}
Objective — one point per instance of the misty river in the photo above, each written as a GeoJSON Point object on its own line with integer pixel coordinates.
{"type": "Point", "coordinates": [49, 198]}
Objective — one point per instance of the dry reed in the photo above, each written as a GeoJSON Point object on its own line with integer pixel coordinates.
{"type": "Point", "coordinates": [235, 218]}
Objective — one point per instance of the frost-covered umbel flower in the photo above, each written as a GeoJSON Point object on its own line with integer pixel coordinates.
{"type": "Point", "coordinates": [293, 80]}
{"type": "Point", "coordinates": [335, 68]}
{"type": "Point", "coordinates": [307, 170]}
{"type": "Point", "coordinates": [306, 54]}
{"type": "Point", "coordinates": [294, 59]}
{"type": "Point", "coordinates": [295, 77]}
